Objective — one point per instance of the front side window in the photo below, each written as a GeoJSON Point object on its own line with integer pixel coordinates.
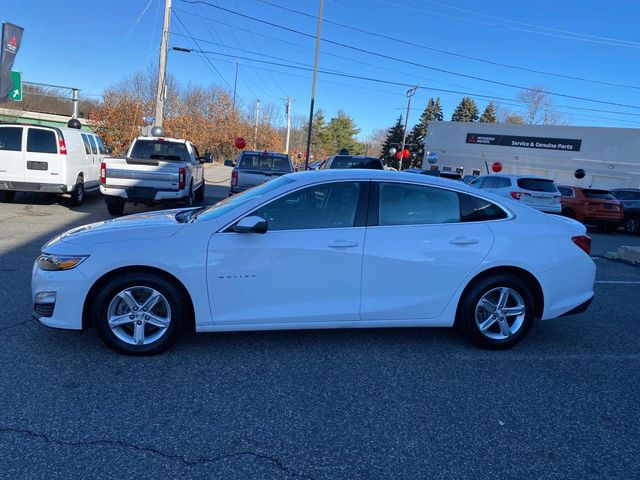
{"type": "Point", "coordinates": [330, 205]}
{"type": "Point", "coordinates": [41, 141]}
{"type": "Point", "coordinates": [11, 138]}
{"type": "Point", "coordinates": [94, 146]}
{"type": "Point", "coordinates": [406, 204]}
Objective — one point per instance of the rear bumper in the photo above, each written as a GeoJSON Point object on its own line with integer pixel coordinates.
{"type": "Point", "coordinates": [579, 309]}
{"type": "Point", "coordinates": [548, 208]}
{"type": "Point", "coordinates": [616, 221]}
{"type": "Point", "coordinates": [33, 187]}
{"type": "Point", "coordinates": [142, 195]}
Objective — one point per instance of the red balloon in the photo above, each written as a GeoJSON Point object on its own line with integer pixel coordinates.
{"type": "Point", "coordinates": [405, 153]}
{"type": "Point", "coordinates": [496, 167]}
{"type": "Point", "coordinates": [398, 155]}
{"type": "Point", "coordinates": [240, 143]}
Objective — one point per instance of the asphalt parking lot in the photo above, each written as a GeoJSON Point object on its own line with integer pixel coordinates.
{"type": "Point", "coordinates": [357, 404]}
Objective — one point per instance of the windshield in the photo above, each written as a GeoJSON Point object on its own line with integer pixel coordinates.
{"type": "Point", "coordinates": [265, 161]}
{"type": "Point", "coordinates": [537, 185]}
{"type": "Point", "coordinates": [234, 201]}
{"type": "Point", "coordinates": [160, 150]}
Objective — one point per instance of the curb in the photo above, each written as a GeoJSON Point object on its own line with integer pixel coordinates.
{"type": "Point", "coordinates": [626, 253]}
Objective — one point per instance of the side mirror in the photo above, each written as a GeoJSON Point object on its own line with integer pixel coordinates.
{"type": "Point", "coordinates": [229, 163]}
{"type": "Point", "coordinates": [208, 158]}
{"type": "Point", "coordinates": [205, 159]}
{"type": "Point", "coordinates": [108, 150]}
{"type": "Point", "coordinates": [251, 224]}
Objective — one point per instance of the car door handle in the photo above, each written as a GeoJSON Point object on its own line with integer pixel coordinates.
{"type": "Point", "coordinates": [463, 241]}
{"type": "Point", "coordinates": [343, 244]}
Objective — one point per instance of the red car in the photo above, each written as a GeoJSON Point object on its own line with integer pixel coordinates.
{"type": "Point", "coordinates": [591, 206]}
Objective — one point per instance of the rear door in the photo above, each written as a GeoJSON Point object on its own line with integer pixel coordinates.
{"type": "Point", "coordinates": [418, 250]}
{"type": "Point", "coordinates": [11, 154]}
{"type": "Point", "coordinates": [538, 192]}
{"type": "Point", "coordinates": [43, 163]}
{"type": "Point", "coordinates": [94, 167]}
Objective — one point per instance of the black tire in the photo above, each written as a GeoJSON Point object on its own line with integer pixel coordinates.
{"type": "Point", "coordinates": [466, 318]}
{"type": "Point", "coordinates": [7, 196]}
{"type": "Point", "coordinates": [116, 208]}
{"type": "Point", "coordinates": [199, 195]}
{"type": "Point", "coordinates": [190, 199]}
{"type": "Point", "coordinates": [632, 224]}
{"type": "Point", "coordinates": [109, 292]}
{"type": "Point", "coordinates": [77, 194]}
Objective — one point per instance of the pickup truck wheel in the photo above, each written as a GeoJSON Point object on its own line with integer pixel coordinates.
{"type": "Point", "coordinates": [116, 208]}
{"type": "Point", "coordinates": [77, 194]}
{"type": "Point", "coordinates": [200, 194]}
{"type": "Point", "coordinates": [7, 196]}
{"type": "Point", "coordinates": [632, 225]}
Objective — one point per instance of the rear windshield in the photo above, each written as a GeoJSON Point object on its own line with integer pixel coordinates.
{"type": "Point", "coordinates": [160, 150]}
{"type": "Point", "coordinates": [11, 138]}
{"type": "Point", "coordinates": [265, 161]}
{"type": "Point", "coordinates": [537, 184]}
{"type": "Point", "coordinates": [592, 193]}
{"type": "Point", "coordinates": [342, 161]}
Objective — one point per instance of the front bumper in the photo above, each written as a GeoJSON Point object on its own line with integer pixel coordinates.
{"type": "Point", "coordinates": [33, 187]}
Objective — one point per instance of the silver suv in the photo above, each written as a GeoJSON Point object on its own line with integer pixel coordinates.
{"type": "Point", "coordinates": [254, 168]}
{"type": "Point", "coordinates": [539, 193]}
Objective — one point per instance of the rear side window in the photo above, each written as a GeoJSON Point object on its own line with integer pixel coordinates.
{"type": "Point", "coordinates": [160, 150]}
{"type": "Point", "coordinates": [41, 141]}
{"type": "Point", "coordinates": [11, 139]}
{"type": "Point", "coordinates": [87, 145]}
{"type": "Point", "coordinates": [537, 185]}
{"type": "Point", "coordinates": [566, 191]}
{"type": "Point", "coordinates": [265, 161]}
{"type": "Point", "coordinates": [602, 194]}
{"type": "Point", "coordinates": [101, 148]}
{"type": "Point", "coordinates": [94, 146]}
{"type": "Point", "coordinates": [405, 204]}
{"type": "Point", "coordinates": [474, 209]}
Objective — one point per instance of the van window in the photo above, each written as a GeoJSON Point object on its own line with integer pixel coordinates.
{"type": "Point", "coordinates": [11, 138]}
{"type": "Point", "coordinates": [101, 148]}
{"type": "Point", "coordinates": [87, 145]}
{"type": "Point", "coordinates": [94, 146]}
{"type": "Point", "coordinates": [41, 141]}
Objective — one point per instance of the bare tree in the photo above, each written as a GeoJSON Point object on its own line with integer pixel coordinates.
{"type": "Point", "coordinates": [539, 108]}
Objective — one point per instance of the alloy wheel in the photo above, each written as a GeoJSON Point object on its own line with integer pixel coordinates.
{"type": "Point", "coordinates": [500, 313]}
{"type": "Point", "coordinates": [139, 315]}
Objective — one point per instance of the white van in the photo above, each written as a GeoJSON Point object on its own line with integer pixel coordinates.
{"type": "Point", "coordinates": [38, 158]}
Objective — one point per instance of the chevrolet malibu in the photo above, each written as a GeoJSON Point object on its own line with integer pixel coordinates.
{"type": "Point", "coordinates": [381, 249]}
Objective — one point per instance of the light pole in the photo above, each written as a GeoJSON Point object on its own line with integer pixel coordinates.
{"type": "Point", "coordinates": [410, 93]}
{"type": "Point", "coordinates": [313, 85]}
{"type": "Point", "coordinates": [162, 67]}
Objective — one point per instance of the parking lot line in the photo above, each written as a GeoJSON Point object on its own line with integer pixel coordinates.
{"type": "Point", "coordinates": [622, 282]}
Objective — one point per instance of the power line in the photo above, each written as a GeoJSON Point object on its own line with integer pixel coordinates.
{"type": "Point", "coordinates": [408, 62]}
{"type": "Point", "coordinates": [448, 52]}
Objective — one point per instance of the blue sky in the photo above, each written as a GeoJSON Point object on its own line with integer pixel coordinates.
{"type": "Point", "coordinates": [94, 44]}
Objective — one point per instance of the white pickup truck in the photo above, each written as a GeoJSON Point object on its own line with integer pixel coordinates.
{"type": "Point", "coordinates": [155, 170]}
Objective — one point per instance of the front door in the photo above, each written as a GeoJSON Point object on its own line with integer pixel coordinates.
{"type": "Point", "coordinates": [11, 155]}
{"type": "Point", "coordinates": [306, 268]}
{"type": "Point", "coordinates": [419, 251]}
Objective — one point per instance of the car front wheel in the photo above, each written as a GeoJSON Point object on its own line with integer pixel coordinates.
{"type": "Point", "coordinates": [497, 312]}
{"type": "Point", "coordinates": [632, 225]}
{"type": "Point", "coordinates": [139, 313]}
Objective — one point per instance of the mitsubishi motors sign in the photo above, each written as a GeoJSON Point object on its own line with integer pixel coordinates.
{"type": "Point", "coordinates": [11, 38]}
{"type": "Point", "coordinates": [546, 143]}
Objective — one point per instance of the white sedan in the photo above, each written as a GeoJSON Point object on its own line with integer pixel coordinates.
{"type": "Point", "coordinates": [328, 249]}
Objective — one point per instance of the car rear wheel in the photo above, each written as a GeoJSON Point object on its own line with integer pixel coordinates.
{"type": "Point", "coordinates": [497, 312]}
{"type": "Point", "coordinates": [77, 194]}
{"type": "Point", "coordinates": [116, 207]}
{"type": "Point", "coordinates": [139, 314]}
{"type": "Point", "coordinates": [632, 225]}
{"type": "Point", "coordinates": [7, 196]}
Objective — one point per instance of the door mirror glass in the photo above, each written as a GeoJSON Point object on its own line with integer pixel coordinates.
{"type": "Point", "coordinates": [108, 150]}
{"type": "Point", "coordinates": [228, 163]}
{"type": "Point", "coordinates": [251, 224]}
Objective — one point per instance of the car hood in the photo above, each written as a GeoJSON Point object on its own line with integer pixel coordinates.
{"type": "Point", "coordinates": [141, 226]}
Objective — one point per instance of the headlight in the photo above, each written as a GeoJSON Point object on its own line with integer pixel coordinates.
{"type": "Point", "coordinates": [59, 262]}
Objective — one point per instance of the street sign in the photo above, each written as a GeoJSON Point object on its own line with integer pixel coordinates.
{"type": "Point", "coordinates": [16, 90]}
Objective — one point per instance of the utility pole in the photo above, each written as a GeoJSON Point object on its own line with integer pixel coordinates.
{"type": "Point", "coordinates": [255, 130]}
{"type": "Point", "coordinates": [410, 93]}
{"type": "Point", "coordinates": [313, 85]}
{"type": "Point", "coordinates": [235, 87]}
{"type": "Point", "coordinates": [288, 111]}
{"type": "Point", "coordinates": [162, 68]}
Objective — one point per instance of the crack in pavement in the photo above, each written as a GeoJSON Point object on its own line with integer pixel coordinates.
{"type": "Point", "coordinates": [7, 327]}
{"type": "Point", "coordinates": [189, 462]}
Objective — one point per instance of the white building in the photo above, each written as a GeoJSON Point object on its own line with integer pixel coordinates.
{"type": "Point", "coordinates": [610, 157]}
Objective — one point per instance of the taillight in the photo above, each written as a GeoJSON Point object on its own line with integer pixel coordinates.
{"type": "Point", "coordinates": [584, 242]}
{"type": "Point", "coordinates": [103, 173]}
{"type": "Point", "coordinates": [62, 146]}
{"type": "Point", "coordinates": [234, 178]}
{"type": "Point", "coordinates": [182, 175]}
{"type": "Point", "coordinates": [518, 195]}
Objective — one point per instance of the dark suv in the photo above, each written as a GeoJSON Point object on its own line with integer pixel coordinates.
{"type": "Point", "coordinates": [630, 200]}
{"type": "Point", "coordinates": [352, 161]}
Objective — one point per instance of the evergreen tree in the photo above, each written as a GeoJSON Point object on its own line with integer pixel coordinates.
{"type": "Point", "coordinates": [466, 111]}
{"type": "Point", "coordinates": [393, 140]}
{"type": "Point", "coordinates": [418, 134]}
{"type": "Point", "coordinates": [340, 133]}
{"type": "Point", "coordinates": [489, 114]}
{"type": "Point", "coordinates": [318, 134]}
